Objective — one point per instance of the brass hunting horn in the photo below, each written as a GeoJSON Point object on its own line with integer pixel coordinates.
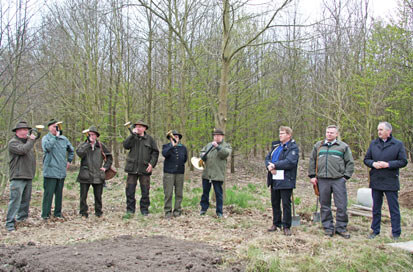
{"type": "Point", "coordinates": [199, 163]}
{"type": "Point", "coordinates": [37, 131]}
{"type": "Point", "coordinates": [86, 132]}
{"type": "Point", "coordinates": [128, 125]}
{"type": "Point", "coordinates": [169, 134]}
{"type": "Point", "coordinates": [60, 127]}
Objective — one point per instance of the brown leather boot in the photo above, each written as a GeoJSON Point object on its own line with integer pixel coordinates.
{"type": "Point", "coordinates": [287, 232]}
{"type": "Point", "coordinates": [273, 228]}
{"type": "Point", "coordinates": [343, 234]}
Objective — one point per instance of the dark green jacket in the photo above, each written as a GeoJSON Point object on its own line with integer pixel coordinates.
{"type": "Point", "coordinates": [335, 161]}
{"type": "Point", "coordinates": [143, 150]}
{"type": "Point", "coordinates": [22, 158]}
{"type": "Point", "coordinates": [216, 163]}
{"type": "Point", "coordinates": [91, 162]}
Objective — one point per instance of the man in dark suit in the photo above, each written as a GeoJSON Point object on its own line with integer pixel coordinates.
{"type": "Point", "coordinates": [385, 156]}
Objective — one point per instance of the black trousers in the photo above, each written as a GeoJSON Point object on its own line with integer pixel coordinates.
{"type": "Point", "coordinates": [97, 191]}
{"type": "Point", "coordinates": [277, 196]}
{"type": "Point", "coordinates": [131, 183]}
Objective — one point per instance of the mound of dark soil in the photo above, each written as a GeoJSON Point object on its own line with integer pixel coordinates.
{"type": "Point", "coordinates": [123, 253]}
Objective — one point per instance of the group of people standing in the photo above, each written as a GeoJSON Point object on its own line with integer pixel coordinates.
{"type": "Point", "coordinates": [96, 159]}
{"type": "Point", "coordinates": [58, 153]}
{"type": "Point", "coordinates": [331, 165]}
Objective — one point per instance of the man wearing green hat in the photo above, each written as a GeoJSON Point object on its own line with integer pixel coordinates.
{"type": "Point", "coordinates": [175, 155]}
{"type": "Point", "coordinates": [22, 170]}
{"type": "Point", "coordinates": [58, 153]}
{"type": "Point", "coordinates": [215, 156]}
{"type": "Point", "coordinates": [95, 160]}
{"type": "Point", "coordinates": [142, 158]}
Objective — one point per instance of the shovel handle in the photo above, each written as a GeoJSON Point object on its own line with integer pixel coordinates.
{"type": "Point", "coordinates": [316, 191]}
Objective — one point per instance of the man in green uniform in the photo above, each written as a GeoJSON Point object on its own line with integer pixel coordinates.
{"type": "Point", "coordinates": [142, 158]}
{"type": "Point", "coordinates": [214, 155]}
{"type": "Point", "coordinates": [22, 170]}
{"type": "Point", "coordinates": [58, 153]}
{"type": "Point", "coordinates": [95, 160]}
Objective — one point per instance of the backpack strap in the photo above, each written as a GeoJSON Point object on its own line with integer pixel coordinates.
{"type": "Point", "coordinates": [103, 153]}
{"type": "Point", "coordinates": [316, 160]}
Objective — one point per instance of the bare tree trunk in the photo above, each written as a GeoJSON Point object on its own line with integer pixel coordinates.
{"type": "Point", "coordinates": [149, 69]}
{"type": "Point", "coordinates": [221, 118]}
{"type": "Point", "coordinates": [169, 110]}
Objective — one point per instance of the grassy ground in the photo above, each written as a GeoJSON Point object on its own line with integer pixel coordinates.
{"type": "Point", "coordinates": [242, 233]}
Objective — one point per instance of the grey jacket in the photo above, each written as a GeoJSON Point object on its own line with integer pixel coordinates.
{"type": "Point", "coordinates": [216, 163]}
{"type": "Point", "coordinates": [57, 152]}
{"type": "Point", "coordinates": [22, 158]}
{"type": "Point", "coordinates": [335, 161]}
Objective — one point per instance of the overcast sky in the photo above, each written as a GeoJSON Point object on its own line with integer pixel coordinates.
{"type": "Point", "coordinates": [311, 8]}
{"type": "Point", "coordinates": [378, 8]}
{"type": "Point", "coordinates": [384, 8]}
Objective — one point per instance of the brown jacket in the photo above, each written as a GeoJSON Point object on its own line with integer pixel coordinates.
{"type": "Point", "coordinates": [91, 162]}
{"type": "Point", "coordinates": [143, 150]}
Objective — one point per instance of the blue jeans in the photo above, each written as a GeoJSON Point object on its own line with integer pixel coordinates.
{"type": "Point", "coordinates": [392, 200]}
{"type": "Point", "coordinates": [206, 187]}
{"type": "Point", "coordinates": [20, 195]}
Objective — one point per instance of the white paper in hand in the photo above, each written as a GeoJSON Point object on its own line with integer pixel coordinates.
{"type": "Point", "coordinates": [279, 175]}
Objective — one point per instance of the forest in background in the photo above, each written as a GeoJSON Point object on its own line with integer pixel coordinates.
{"type": "Point", "coordinates": [194, 65]}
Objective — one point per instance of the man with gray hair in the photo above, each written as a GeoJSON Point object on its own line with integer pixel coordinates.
{"type": "Point", "coordinates": [331, 164]}
{"type": "Point", "coordinates": [385, 156]}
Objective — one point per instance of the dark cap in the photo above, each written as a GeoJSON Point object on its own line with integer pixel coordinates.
{"type": "Point", "coordinates": [142, 123]}
{"type": "Point", "coordinates": [94, 129]}
{"type": "Point", "coordinates": [217, 131]}
{"type": "Point", "coordinates": [174, 132]}
{"type": "Point", "coordinates": [51, 122]}
{"type": "Point", "coordinates": [21, 124]}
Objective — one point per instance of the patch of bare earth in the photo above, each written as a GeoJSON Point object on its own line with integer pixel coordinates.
{"type": "Point", "coordinates": [123, 253]}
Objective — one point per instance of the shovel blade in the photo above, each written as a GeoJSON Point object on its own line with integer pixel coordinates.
{"type": "Point", "coordinates": [316, 217]}
{"type": "Point", "coordinates": [295, 222]}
